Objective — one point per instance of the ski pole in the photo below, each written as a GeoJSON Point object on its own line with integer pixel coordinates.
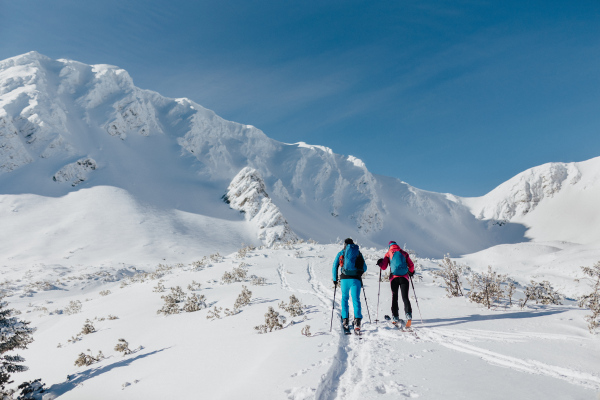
{"type": "Point", "coordinates": [367, 304]}
{"type": "Point", "coordinates": [416, 299]}
{"type": "Point", "coordinates": [379, 291]}
{"type": "Point", "coordinates": [333, 307]}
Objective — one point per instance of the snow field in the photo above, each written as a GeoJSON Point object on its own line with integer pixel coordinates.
{"type": "Point", "coordinates": [460, 351]}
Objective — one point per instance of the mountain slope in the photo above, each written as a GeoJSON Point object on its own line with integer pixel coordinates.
{"type": "Point", "coordinates": [556, 201]}
{"type": "Point", "coordinates": [67, 126]}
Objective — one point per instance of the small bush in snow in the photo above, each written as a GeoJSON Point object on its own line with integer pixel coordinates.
{"type": "Point", "coordinates": [88, 328]}
{"type": "Point", "coordinates": [112, 317]}
{"type": "Point", "coordinates": [244, 251]}
{"type": "Point", "coordinates": [216, 258]}
{"type": "Point", "coordinates": [306, 330]}
{"type": "Point", "coordinates": [215, 313]}
{"type": "Point", "coordinates": [510, 290]}
{"type": "Point", "coordinates": [31, 390]}
{"type": "Point", "coordinates": [541, 292]}
{"type": "Point", "coordinates": [123, 347]}
{"type": "Point", "coordinates": [172, 301]}
{"type": "Point", "coordinates": [159, 288]}
{"type": "Point", "coordinates": [272, 322]}
{"type": "Point", "coordinates": [237, 275]}
{"type": "Point", "coordinates": [450, 273]}
{"type": "Point", "coordinates": [592, 300]}
{"type": "Point", "coordinates": [257, 280]}
{"type": "Point", "coordinates": [243, 298]}
{"type": "Point", "coordinates": [104, 292]}
{"type": "Point", "coordinates": [194, 303]}
{"type": "Point", "coordinates": [200, 264]}
{"type": "Point", "coordinates": [88, 359]}
{"type": "Point", "coordinates": [194, 286]}
{"type": "Point", "coordinates": [294, 307]}
{"type": "Point", "coordinates": [74, 307]}
{"type": "Point", "coordinates": [298, 254]}
{"type": "Point", "coordinates": [486, 288]}
{"type": "Point", "coordinates": [385, 275]}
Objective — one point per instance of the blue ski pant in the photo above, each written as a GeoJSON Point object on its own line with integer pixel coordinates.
{"type": "Point", "coordinates": [351, 288]}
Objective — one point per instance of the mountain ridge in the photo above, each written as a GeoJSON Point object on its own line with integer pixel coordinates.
{"type": "Point", "coordinates": [65, 126]}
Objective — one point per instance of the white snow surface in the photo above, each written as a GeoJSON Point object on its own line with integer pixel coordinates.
{"type": "Point", "coordinates": [459, 351]}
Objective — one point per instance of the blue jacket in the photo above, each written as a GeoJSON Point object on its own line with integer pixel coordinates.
{"type": "Point", "coordinates": [336, 264]}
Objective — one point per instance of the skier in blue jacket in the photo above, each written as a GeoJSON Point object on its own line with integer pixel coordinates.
{"type": "Point", "coordinates": [352, 265]}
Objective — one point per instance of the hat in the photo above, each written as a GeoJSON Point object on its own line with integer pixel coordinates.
{"type": "Point", "coordinates": [391, 243]}
{"type": "Point", "coordinates": [348, 241]}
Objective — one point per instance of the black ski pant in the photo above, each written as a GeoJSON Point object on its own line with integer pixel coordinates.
{"type": "Point", "coordinates": [401, 283]}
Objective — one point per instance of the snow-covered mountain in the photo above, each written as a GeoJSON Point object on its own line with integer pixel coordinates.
{"type": "Point", "coordinates": [556, 201]}
{"type": "Point", "coordinates": [67, 126]}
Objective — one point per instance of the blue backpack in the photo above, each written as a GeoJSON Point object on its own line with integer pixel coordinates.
{"type": "Point", "coordinates": [398, 264]}
{"type": "Point", "coordinates": [348, 259]}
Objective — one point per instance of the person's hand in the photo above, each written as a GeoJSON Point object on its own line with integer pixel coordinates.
{"type": "Point", "coordinates": [411, 273]}
{"type": "Point", "coordinates": [379, 262]}
{"type": "Point", "coordinates": [334, 283]}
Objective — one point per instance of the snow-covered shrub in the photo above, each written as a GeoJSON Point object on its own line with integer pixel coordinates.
{"type": "Point", "coordinates": [104, 292]}
{"type": "Point", "coordinates": [486, 287]}
{"type": "Point", "coordinates": [243, 298]}
{"type": "Point", "coordinates": [238, 274]}
{"type": "Point", "coordinates": [123, 347]}
{"type": "Point", "coordinates": [216, 258]}
{"type": "Point", "coordinates": [200, 264]}
{"type": "Point", "coordinates": [306, 330]}
{"type": "Point", "coordinates": [194, 286]}
{"type": "Point", "coordinates": [31, 390]}
{"type": "Point", "coordinates": [112, 317]}
{"type": "Point", "coordinates": [298, 254]}
{"type": "Point", "coordinates": [541, 292]}
{"type": "Point", "coordinates": [215, 313]}
{"type": "Point", "coordinates": [88, 328]}
{"type": "Point", "coordinates": [385, 275]}
{"type": "Point", "coordinates": [88, 359]}
{"type": "Point", "coordinates": [450, 273]}
{"type": "Point", "coordinates": [159, 288]}
{"type": "Point", "coordinates": [272, 322]}
{"type": "Point", "coordinates": [592, 300]}
{"type": "Point", "coordinates": [195, 302]}
{"type": "Point", "coordinates": [294, 307]}
{"type": "Point", "coordinates": [172, 301]}
{"type": "Point", "coordinates": [511, 287]}
{"type": "Point", "coordinates": [257, 280]}
{"type": "Point", "coordinates": [14, 334]}
{"type": "Point", "coordinates": [244, 251]}
{"type": "Point", "coordinates": [74, 307]}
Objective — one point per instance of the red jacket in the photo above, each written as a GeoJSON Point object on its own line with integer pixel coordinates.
{"type": "Point", "coordinates": [388, 256]}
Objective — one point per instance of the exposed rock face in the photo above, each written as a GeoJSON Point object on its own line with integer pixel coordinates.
{"type": "Point", "coordinates": [247, 193]}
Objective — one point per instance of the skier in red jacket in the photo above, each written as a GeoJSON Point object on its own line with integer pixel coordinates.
{"type": "Point", "coordinates": [401, 268]}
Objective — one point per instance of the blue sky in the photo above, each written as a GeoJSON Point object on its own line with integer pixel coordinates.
{"type": "Point", "coordinates": [449, 96]}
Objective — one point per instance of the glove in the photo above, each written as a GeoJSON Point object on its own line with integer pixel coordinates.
{"type": "Point", "coordinates": [411, 273]}
{"type": "Point", "coordinates": [334, 283]}
{"type": "Point", "coordinates": [379, 262]}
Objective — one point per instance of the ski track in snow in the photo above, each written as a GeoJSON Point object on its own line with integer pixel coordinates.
{"type": "Point", "coordinates": [446, 338]}
{"type": "Point", "coordinates": [363, 366]}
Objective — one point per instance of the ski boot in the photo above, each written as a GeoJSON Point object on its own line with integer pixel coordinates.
{"type": "Point", "coordinates": [357, 325]}
{"type": "Point", "coordinates": [345, 323]}
{"type": "Point", "coordinates": [395, 320]}
{"type": "Point", "coordinates": [408, 320]}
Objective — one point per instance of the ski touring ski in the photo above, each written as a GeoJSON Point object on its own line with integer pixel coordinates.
{"type": "Point", "coordinates": [401, 325]}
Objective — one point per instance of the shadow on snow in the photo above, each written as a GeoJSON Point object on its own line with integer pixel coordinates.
{"type": "Point", "coordinates": [75, 380]}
